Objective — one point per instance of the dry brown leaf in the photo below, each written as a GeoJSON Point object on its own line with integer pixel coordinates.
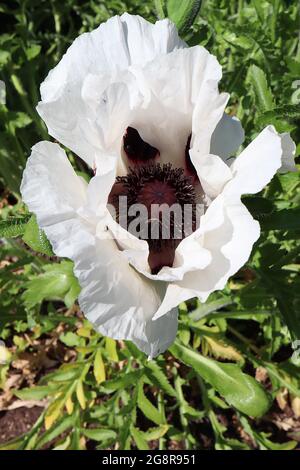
{"type": "Point", "coordinates": [26, 404]}
{"type": "Point", "coordinates": [261, 374]}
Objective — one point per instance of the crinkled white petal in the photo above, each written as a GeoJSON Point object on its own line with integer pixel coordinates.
{"type": "Point", "coordinates": [213, 173]}
{"type": "Point", "coordinates": [227, 137]}
{"type": "Point", "coordinates": [182, 90]}
{"type": "Point", "coordinates": [109, 106]}
{"type": "Point", "coordinates": [257, 164]}
{"type": "Point", "coordinates": [109, 49]}
{"type": "Point", "coordinates": [119, 302]}
{"type": "Point", "coordinates": [50, 186]}
{"type": "Point", "coordinates": [114, 297]}
{"type": "Point", "coordinates": [227, 229]}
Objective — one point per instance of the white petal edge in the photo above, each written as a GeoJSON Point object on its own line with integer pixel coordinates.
{"type": "Point", "coordinates": [257, 164]}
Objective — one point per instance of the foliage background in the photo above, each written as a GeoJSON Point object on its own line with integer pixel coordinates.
{"type": "Point", "coordinates": [230, 381]}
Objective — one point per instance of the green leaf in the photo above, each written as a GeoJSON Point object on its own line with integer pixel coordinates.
{"type": "Point", "coordinates": [209, 307]}
{"type": "Point", "coordinates": [99, 367]}
{"type": "Point", "coordinates": [239, 390]}
{"type": "Point", "coordinates": [258, 5]}
{"type": "Point", "coordinates": [160, 6]}
{"type": "Point", "coordinates": [99, 434]}
{"type": "Point", "coordinates": [53, 412]}
{"type": "Point", "coordinates": [274, 282]}
{"type": "Point", "coordinates": [156, 433]}
{"type": "Point", "coordinates": [71, 339]}
{"type": "Point", "coordinates": [145, 405]}
{"type": "Point", "coordinates": [65, 373]}
{"type": "Point", "coordinates": [14, 444]}
{"type": "Point", "coordinates": [139, 438]}
{"type": "Point", "coordinates": [286, 219]}
{"type": "Point", "coordinates": [288, 112]}
{"type": "Point", "coordinates": [81, 394]}
{"type": "Point", "coordinates": [239, 41]}
{"type": "Point", "coordinates": [64, 444]}
{"type": "Point", "coordinates": [33, 51]}
{"type": "Point", "coordinates": [14, 226]}
{"type": "Point", "coordinates": [183, 12]}
{"type": "Point", "coordinates": [36, 238]}
{"type": "Point", "coordinates": [34, 393]}
{"type": "Point", "coordinates": [221, 350]}
{"type": "Point", "coordinates": [111, 349]}
{"type": "Point", "coordinates": [158, 378]}
{"type": "Point", "coordinates": [18, 120]}
{"type": "Point", "coordinates": [270, 445]}
{"type": "Point", "coordinates": [62, 425]}
{"type": "Point", "coordinates": [57, 282]}
{"type": "Point", "coordinates": [258, 206]}
{"type": "Point", "coordinates": [126, 380]}
{"type": "Point", "coordinates": [262, 93]}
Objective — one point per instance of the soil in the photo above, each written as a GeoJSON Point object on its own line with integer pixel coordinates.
{"type": "Point", "coordinates": [14, 423]}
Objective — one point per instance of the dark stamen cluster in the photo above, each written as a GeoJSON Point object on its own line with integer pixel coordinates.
{"type": "Point", "coordinates": [173, 178]}
{"type": "Point", "coordinates": [156, 185]}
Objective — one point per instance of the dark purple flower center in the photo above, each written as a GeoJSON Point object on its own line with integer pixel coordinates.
{"type": "Point", "coordinates": [159, 188]}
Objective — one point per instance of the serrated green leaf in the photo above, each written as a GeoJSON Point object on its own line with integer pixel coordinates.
{"type": "Point", "coordinates": [158, 378]}
{"type": "Point", "coordinates": [288, 112]}
{"type": "Point", "coordinates": [221, 350]}
{"type": "Point", "coordinates": [183, 12]}
{"type": "Point", "coordinates": [36, 238]}
{"type": "Point", "coordinates": [127, 380]}
{"type": "Point", "coordinates": [239, 390]}
{"type": "Point", "coordinates": [13, 226]}
{"type": "Point", "coordinates": [258, 81]}
{"type": "Point", "coordinates": [57, 282]}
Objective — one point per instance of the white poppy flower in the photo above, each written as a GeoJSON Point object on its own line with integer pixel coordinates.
{"type": "Point", "coordinates": [130, 98]}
